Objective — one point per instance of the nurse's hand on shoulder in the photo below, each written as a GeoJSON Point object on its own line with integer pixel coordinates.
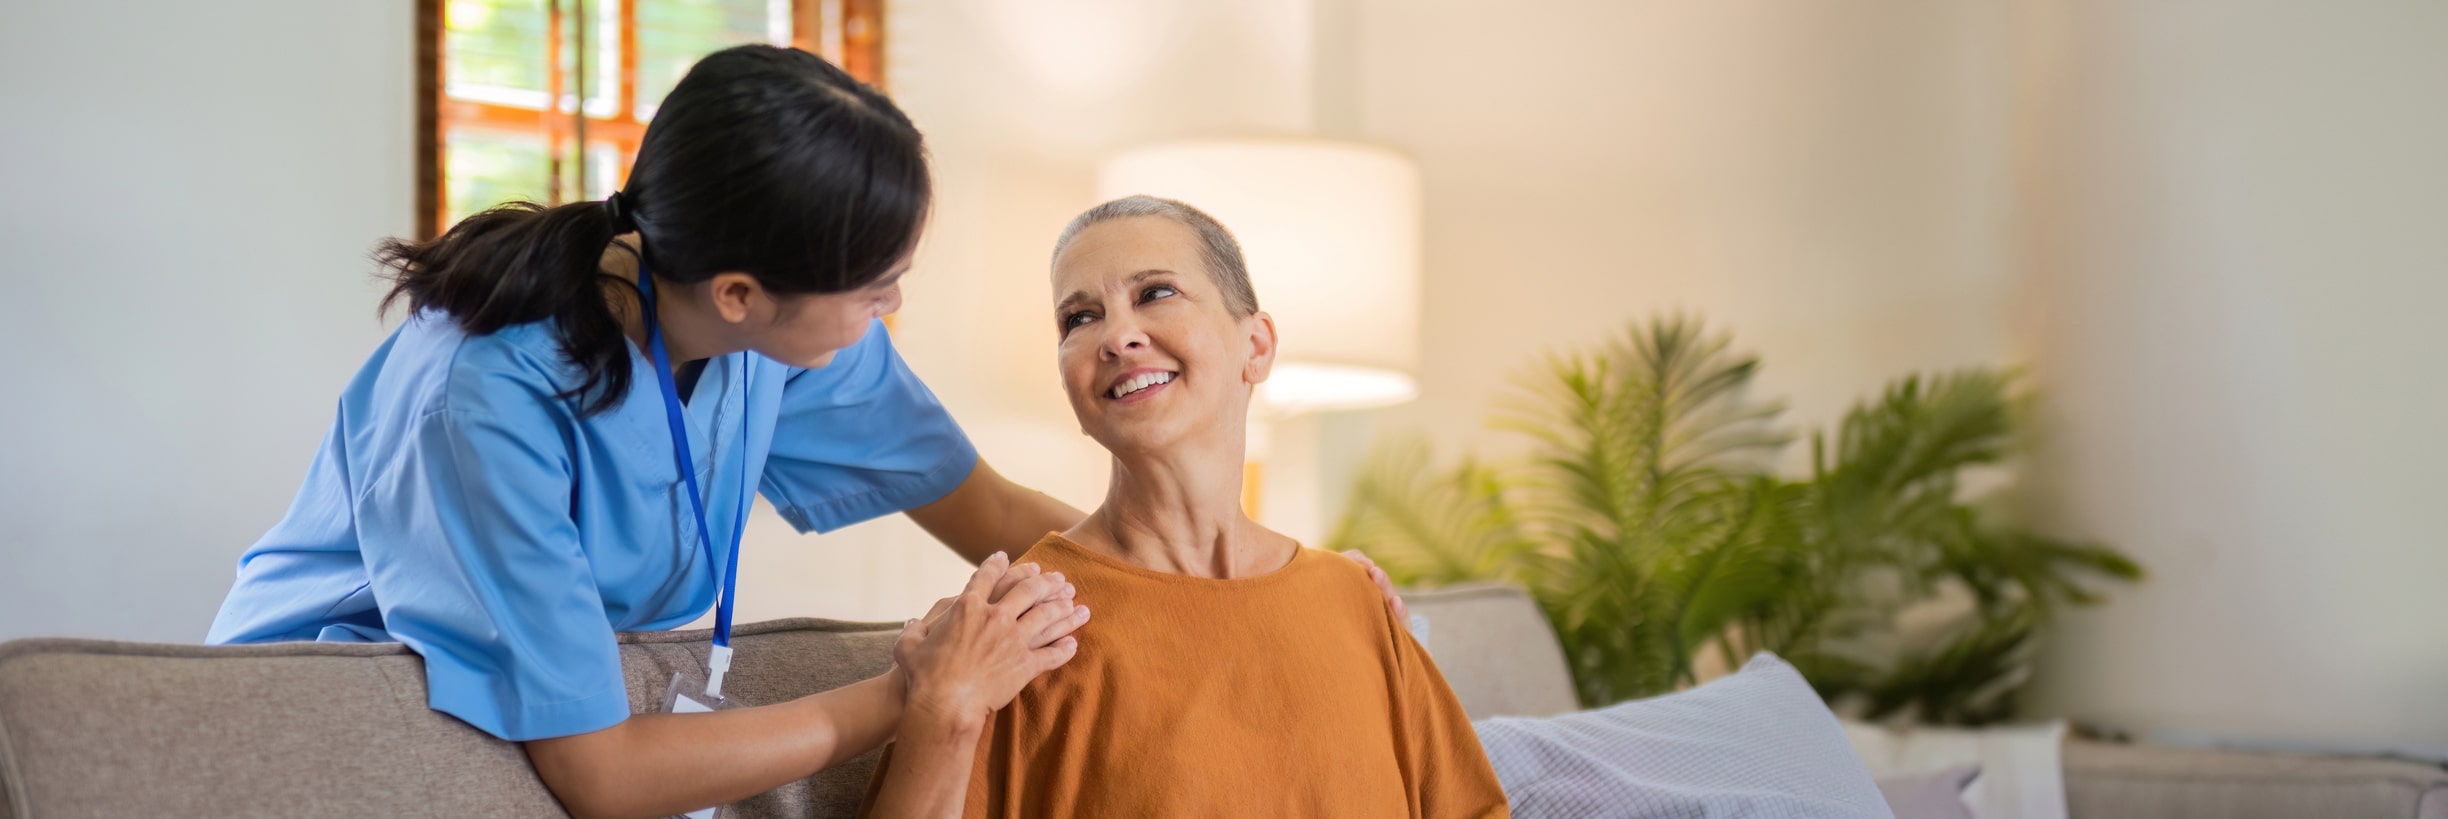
{"type": "Point", "coordinates": [1385, 586]}
{"type": "Point", "coordinates": [973, 653]}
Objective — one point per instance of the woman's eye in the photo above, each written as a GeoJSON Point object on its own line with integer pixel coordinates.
{"type": "Point", "coordinates": [1073, 321]}
{"type": "Point", "coordinates": [1156, 292]}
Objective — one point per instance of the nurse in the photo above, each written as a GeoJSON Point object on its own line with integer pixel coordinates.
{"type": "Point", "coordinates": [562, 439]}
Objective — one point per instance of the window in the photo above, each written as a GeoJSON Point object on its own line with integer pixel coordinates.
{"type": "Point", "coordinates": [546, 100]}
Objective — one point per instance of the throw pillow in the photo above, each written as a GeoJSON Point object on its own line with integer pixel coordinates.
{"type": "Point", "coordinates": [1756, 743]}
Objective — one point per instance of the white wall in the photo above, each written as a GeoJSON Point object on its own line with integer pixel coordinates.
{"type": "Point", "coordinates": [2238, 248]}
{"type": "Point", "coordinates": [1826, 181]}
{"type": "Point", "coordinates": [187, 195]}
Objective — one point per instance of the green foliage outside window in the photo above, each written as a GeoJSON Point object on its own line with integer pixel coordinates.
{"type": "Point", "coordinates": [672, 34]}
{"type": "Point", "coordinates": [495, 52]}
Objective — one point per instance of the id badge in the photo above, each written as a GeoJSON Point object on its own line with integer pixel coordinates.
{"type": "Point", "coordinates": [678, 699]}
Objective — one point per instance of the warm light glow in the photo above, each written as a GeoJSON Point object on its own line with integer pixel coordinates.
{"type": "Point", "coordinates": [1297, 387]}
{"type": "Point", "coordinates": [1331, 233]}
{"type": "Point", "coordinates": [1085, 49]}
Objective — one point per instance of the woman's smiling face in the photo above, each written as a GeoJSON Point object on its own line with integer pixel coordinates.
{"type": "Point", "coordinates": [1150, 352]}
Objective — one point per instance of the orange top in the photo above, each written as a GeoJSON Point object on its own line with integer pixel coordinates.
{"type": "Point", "coordinates": [1292, 693]}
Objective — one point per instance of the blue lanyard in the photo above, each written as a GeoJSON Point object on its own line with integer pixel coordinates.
{"type": "Point", "coordinates": [720, 661]}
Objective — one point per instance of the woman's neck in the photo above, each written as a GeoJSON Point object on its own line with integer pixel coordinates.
{"type": "Point", "coordinates": [1180, 513]}
{"type": "Point", "coordinates": [689, 331]}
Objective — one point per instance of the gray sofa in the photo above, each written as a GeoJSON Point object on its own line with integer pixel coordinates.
{"type": "Point", "coordinates": [90, 728]}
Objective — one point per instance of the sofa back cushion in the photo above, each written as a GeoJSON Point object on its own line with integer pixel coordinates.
{"type": "Point", "coordinates": [92, 728]}
{"type": "Point", "coordinates": [1496, 650]}
{"type": "Point", "coordinates": [124, 729]}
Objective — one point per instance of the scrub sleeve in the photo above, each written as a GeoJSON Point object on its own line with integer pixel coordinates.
{"type": "Point", "coordinates": [473, 550]}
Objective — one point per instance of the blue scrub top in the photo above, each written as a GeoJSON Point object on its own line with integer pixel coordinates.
{"type": "Point", "coordinates": [460, 507]}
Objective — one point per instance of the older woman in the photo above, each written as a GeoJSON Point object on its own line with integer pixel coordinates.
{"type": "Point", "coordinates": [1229, 671]}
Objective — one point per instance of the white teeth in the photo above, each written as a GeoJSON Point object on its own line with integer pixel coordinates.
{"type": "Point", "coordinates": [1141, 382]}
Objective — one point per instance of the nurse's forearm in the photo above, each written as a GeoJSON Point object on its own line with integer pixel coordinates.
{"type": "Point", "coordinates": [930, 770]}
{"type": "Point", "coordinates": [862, 716]}
{"type": "Point", "coordinates": [663, 764]}
{"type": "Point", "coordinates": [988, 513]}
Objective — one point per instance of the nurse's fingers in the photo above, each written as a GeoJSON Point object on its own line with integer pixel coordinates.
{"type": "Point", "coordinates": [1053, 656]}
{"type": "Point", "coordinates": [1394, 601]}
{"type": "Point", "coordinates": [935, 614]}
{"type": "Point", "coordinates": [905, 646]}
{"type": "Point", "coordinates": [982, 581]}
{"type": "Point", "coordinates": [1012, 578]}
{"type": "Point", "coordinates": [1031, 592]}
{"type": "Point", "coordinates": [1051, 621]}
{"type": "Point", "coordinates": [915, 632]}
{"type": "Point", "coordinates": [1385, 586]}
{"type": "Point", "coordinates": [1057, 587]}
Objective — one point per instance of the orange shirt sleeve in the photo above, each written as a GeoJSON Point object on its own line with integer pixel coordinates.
{"type": "Point", "coordinates": [1447, 772]}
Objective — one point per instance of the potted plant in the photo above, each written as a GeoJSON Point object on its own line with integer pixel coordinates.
{"type": "Point", "coordinates": [1649, 522]}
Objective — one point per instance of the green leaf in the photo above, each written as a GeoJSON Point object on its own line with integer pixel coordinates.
{"type": "Point", "coordinates": [1645, 520]}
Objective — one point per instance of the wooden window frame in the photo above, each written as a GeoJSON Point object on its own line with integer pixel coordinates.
{"type": "Point", "coordinates": [856, 42]}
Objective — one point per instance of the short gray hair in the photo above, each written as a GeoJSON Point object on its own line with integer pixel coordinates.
{"type": "Point", "coordinates": [1217, 248]}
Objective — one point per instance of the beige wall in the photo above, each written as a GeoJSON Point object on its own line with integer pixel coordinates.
{"type": "Point", "coordinates": [2213, 231]}
{"type": "Point", "coordinates": [2238, 253]}
{"type": "Point", "coordinates": [1827, 181]}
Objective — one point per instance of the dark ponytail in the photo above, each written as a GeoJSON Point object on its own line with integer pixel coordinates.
{"type": "Point", "coordinates": [765, 161]}
{"type": "Point", "coordinates": [519, 263]}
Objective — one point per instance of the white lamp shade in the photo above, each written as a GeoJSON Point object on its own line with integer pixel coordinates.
{"type": "Point", "coordinates": [1331, 231]}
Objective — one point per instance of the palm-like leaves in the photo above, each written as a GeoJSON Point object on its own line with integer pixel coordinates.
{"type": "Point", "coordinates": [1453, 527]}
{"type": "Point", "coordinates": [1645, 448]}
{"type": "Point", "coordinates": [1646, 523]}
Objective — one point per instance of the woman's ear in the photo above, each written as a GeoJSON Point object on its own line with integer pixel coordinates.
{"type": "Point", "coordinates": [733, 294]}
{"type": "Point", "coordinates": [1261, 362]}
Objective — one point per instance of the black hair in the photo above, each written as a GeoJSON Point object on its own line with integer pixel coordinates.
{"type": "Point", "coordinates": [766, 161]}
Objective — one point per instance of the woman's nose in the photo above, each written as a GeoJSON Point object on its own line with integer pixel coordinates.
{"type": "Point", "coordinates": [1122, 335]}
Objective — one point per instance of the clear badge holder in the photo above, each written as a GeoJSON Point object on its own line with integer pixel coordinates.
{"type": "Point", "coordinates": [678, 698]}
